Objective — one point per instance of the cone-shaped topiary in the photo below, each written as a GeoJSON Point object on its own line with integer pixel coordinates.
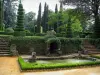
{"type": "Point", "coordinates": [19, 30]}
{"type": "Point", "coordinates": [1, 16]}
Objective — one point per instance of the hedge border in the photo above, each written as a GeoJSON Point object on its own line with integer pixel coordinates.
{"type": "Point", "coordinates": [55, 69]}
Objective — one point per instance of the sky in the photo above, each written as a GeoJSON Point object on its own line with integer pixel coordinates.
{"type": "Point", "coordinates": [33, 5]}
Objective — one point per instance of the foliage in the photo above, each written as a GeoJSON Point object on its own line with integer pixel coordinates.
{"type": "Point", "coordinates": [69, 29]}
{"type": "Point", "coordinates": [1, 16]}
{"type": "Point", "coordinates": [45, 19]}
{"type": "Point", "coordinates": [30, 21]}
{"type": "Point", "coordinates": [28, 33]}
{"type": "Point", "coordinates": [10, 8]}
{"type": "Point", "coordinates": [91, 8]}
{"type": "Point", "coordinates": [19, 30]}
{"type": "Point", "coordinates": [40, 34]}
{"type": "Point", "coordinates": [95, 42]}
{"type": "Point", "coordinates": [39, 20]}
{"type": "Point", "coordinates": [95, 56]}
{"type": "Point", "coordinates": [36, 66]}
{"type": "Point", "coordinates": [25, 43]}
{"type": "Point", "coordinates": [9, 30]}
{"type": "Point", "coordinates": [39, 44]}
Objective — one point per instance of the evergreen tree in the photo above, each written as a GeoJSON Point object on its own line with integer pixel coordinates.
{"type": "Point", "coordinates": [47, 27]}
{"type": "Point", "coordinates": [1, 15]}
{"type": "Point", "coordinates": [56, 9]}
{"type": "Point", "coordinates": [60, 23]}
{"type": "Point", "coordinates": [56, 24]}
{"type": "Point", "coordinates": [19, 30]}
{"type": "Point", "coordinates": [69, 29]}
{"type": "Point", "coordinates": [39, 20]}
{"type": "Point", "coordinates": [44, 18]}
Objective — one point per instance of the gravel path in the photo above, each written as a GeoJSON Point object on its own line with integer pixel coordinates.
{"type": "Point", "coordinates": [9, 66]}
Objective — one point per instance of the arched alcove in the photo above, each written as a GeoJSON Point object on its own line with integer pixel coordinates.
{"type": "Point", "coordinates": [53, 46]}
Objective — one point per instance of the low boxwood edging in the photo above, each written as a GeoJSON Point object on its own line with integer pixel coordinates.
{"type": "Point", "coordinates": [36, 66]}
{"type": "Point", "coordinates": [95, 56]}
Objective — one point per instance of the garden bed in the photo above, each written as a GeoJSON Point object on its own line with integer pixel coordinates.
{"type": "Point", "coordinates": [26, 66]}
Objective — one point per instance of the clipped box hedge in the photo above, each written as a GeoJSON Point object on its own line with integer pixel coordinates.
{"type": "Point", "coordinates": [38, 66]}
{"type": "Point", "coordinates": [39, 44]}
{"type": "Point", "coordinates": [25, 43]}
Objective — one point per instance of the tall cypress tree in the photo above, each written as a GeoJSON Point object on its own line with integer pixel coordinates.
{"type": "Point", "coordinates": [19, 30]}
{"type": "Point", "coordinates": [39, 20]}
{"type": "Point", "coordinates": [56, 24]}
{"type": "Point", "coordinates": [47, 12]}
{"type": "Point", "coordinates": [1, 15]}
{"type": "Point", "coordinates": [60, 23]}
{"type": "Point", "coordinates": [69, 28]}
{"type": "Point", "coordinates": [44, 18]}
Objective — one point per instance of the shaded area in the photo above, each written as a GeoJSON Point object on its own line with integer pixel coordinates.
{"type": "Point", "coordinates": [53, 47]}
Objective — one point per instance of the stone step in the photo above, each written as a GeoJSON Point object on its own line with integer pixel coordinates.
{"type": "Point", "coordinates": [92, 49]}
{"type": "Point", "coordinates": [4, 43]}
{"type": "Point", "coordinates": [4, 54]}
{"type": "Point", "coordinates": [4, 48]}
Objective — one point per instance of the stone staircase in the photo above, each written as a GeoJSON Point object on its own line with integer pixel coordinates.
{"type": "Point", "coordinates": [4, 46]}
{"type": "Point", "coordinates": [91, 49]}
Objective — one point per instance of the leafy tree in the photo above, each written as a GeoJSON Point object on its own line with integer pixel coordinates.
{"type": "Point", "coordinates": [10, 8]}
{"type": "Point", "coordinates": [82, 17]}
{"type": "Point", "coordinates": [30, 21]}
{"type": "Point", "coordinates": [90, 7]}
{"type": "Point", "coordinates": [39, 20]}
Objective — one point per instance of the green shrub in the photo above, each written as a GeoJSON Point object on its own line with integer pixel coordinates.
{"type": "Point", "coordinates": [40, 45]}
{"type": "Point", "coordinates": [40, 34]}
{"type": "Point", "coordinates": [95, 42]}
{"type": "Point", "coordinates": [9, 30]}
{"type": "Point", "coordinates": [61, 35]}
{"type": "Point", "coordinates": [95, 56]}
{"type": "Point", "coordinates": [28, 33]}
{"type": "Point", "coordinates": [25, 43]}
{"type": "Point", "coordinates": [19, 30]}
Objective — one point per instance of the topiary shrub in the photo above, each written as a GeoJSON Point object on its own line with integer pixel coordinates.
{"type": "Point", "coordinates": [40, 34]}
{"type": "Point", "coordinates": [28, 33]}
{"type": "Point", "coordinates": [19, 30]}
{"type": "Point", "coordinates": [9, 31]}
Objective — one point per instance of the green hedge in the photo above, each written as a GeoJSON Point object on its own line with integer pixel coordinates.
{"type": "Point", "coordinates": [95, 56]}
{"type": "Point", "coordinates": [39, 44]}
{"type": "Point", "coordinates": [35, 65]}
{"type": "Point", "coordinates": [70, 45]}
{"type": "Point", "coordinates": [95, 42]}
{"type": "Point", "coordinates": [25, 43]}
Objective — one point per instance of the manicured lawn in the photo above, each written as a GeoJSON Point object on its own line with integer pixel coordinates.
{"type": "Point", "coordinates": [34, 66]}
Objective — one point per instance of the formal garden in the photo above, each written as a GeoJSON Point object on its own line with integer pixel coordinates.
{"type": "Point", "coordinates": [64, 39]}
